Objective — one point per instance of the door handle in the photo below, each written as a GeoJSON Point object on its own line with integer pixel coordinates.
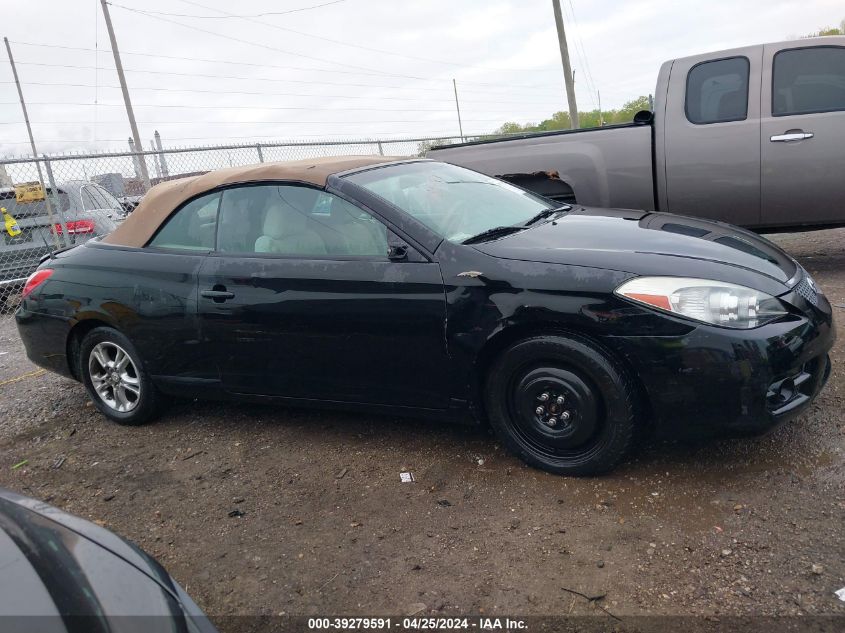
{"type": "Point", "coordinates": [218, 294]}
{"type": "Point", "coordinates": [791, 137]}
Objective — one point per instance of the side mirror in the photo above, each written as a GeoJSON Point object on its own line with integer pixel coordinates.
{"type": "Point", "coordinates": [397, 252]}
{"type": "Point", "coordinates": [644, 117]}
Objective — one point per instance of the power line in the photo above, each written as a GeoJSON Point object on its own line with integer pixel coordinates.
{"type": "Point", "coordinates": [238, 107]}
{"type": "Point", "coordinates": [381, 51]}
{"type": "Point", "coordinates": [96, 63]}
{"type": "Point", "coordinates": [291, 122]}
{"type": "Point", "coordinates": [273, 48]}
{"type": "Point", "coordinates": [279, 94]}
{"type": "Point", "coordinates": [282, 66]}
{"type": "Point", "coordinates": [579, 47]}
{"type": "Point", "coordinates": [297, 81]}
{"type": "Point", "coordinates": [254, 15]}
{"type": "Point", "coordinates": [352, 140]}
{"type": "Point", "coordinates": [213, 122]}
{"type": "Point", "coordinates": [260, 45]}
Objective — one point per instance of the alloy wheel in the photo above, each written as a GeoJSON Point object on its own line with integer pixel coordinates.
{"type": "Point", "coordinates": [114, 377]}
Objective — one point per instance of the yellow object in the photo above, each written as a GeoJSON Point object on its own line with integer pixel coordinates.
{"type": "Point", "coordinates": [10, 223]}
{"type": "Point", "coordinates": [31, 374]}
{"type": "Point", "coordinates": [29, 192]}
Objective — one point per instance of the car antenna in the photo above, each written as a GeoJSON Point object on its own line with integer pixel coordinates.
{"type": "Point", "coordinates": [49, 250]}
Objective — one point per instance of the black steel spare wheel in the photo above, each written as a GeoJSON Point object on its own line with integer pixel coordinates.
{"type": "Point", "coordinates": [562, 404]}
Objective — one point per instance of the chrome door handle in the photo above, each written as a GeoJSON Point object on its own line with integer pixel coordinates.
{"type": "Point", "coordinates": [790, 137]}
{"type": "Point", "coordinates": [219, 296]}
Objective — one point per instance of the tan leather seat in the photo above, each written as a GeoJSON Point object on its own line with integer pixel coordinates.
{"type": "Point", "coordinates": [286, 232]}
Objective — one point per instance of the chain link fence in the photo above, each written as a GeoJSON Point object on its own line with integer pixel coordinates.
{"type": "Point", "coordinates": [59, 201]}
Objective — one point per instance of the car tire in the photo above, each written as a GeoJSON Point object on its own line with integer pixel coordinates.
{"type": "Point", "coordinates": [562, 404]}
{"type": "Point", "coordinates": [115, 378]}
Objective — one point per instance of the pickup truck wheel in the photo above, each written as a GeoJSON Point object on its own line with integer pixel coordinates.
{"type": "Point", "coordinates": [115, 378]}
{"type": "Point", "coordinates": [562, 405]}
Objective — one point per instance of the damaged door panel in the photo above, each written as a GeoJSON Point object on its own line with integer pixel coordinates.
{"type": "Point", "coordinates": [545, 183]}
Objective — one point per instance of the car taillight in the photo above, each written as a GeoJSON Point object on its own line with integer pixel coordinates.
{"type": "Point", "coordinates": [34, 280]}
{"type": "Point", "coordinates": [76, 226]}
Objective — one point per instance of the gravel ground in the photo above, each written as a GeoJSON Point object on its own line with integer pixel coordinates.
{"type": "Point", "coordinates": [720, 528]}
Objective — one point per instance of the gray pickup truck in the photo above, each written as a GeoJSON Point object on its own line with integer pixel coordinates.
{"type": "Point", "coordinates": [754, 136]}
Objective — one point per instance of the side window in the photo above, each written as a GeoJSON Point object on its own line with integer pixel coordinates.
{"type": "Point", "coordinates": [296, 221]}
{"type": "Point", "coordinates": [192, 227]}
{"type": "Point", "coordinates": [808, 80]}
{"type": "Point", "coordinates": [717, 91]}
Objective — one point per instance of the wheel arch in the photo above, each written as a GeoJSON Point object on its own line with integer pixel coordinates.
{"type": "Point", "coordinates": [74, 341]}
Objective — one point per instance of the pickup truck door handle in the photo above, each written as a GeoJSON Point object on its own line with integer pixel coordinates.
{"type": "Point", "coordinates": [791, 136]}
{"type": "Point", "coordinates": [218, 294]}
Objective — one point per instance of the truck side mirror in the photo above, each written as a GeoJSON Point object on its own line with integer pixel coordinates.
{"type": "Point", "coordinates": [643, 117]}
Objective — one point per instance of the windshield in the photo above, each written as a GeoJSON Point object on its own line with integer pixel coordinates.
{"type": "Point", "coordinates": [454, 202]}
{"type": "Point", "coordinates": [109, 201]}
{"type": "Point", "coordinates": [94, 197]}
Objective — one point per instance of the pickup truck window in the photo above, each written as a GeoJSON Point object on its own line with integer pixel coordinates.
{"type": "Point", "coordinates": [807, 80]}
{"type": "Point", "coordinates": [717, 91]}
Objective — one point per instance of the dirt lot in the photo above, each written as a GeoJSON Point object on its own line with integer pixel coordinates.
{"type": "Point", "coordinates": [729, 527]}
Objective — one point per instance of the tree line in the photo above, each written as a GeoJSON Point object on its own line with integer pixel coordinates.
{"type": "Point", "coordinates": [592, 118]}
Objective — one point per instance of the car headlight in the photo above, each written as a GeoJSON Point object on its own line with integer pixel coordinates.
{"type": "Point", "coordinates": [715, 302]}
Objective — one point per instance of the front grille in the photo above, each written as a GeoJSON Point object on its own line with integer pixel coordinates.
{"type": "Point", "coordinates": [806, 290]}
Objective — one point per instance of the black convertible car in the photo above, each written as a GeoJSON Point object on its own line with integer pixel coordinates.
{"type": "Point", "coordinates": [418, 286]}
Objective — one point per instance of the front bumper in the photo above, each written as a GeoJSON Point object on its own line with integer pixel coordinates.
{"type": "Point", "coordinates": [713, 380]}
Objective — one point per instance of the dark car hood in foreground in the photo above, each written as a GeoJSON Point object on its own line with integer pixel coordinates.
{"type": "Point", "coordinates": [622, 239]}
{"type": "Point", "coordinates": [57, 566]}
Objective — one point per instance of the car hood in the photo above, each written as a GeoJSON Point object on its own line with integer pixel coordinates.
{"type": "Point", "coordinates": [646, 243]}
{"type": "Point", "coordinates": [57, 564]}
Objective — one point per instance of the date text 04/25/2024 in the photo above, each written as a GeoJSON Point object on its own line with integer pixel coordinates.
{"type": "Point", "coordinates": [417, 623]}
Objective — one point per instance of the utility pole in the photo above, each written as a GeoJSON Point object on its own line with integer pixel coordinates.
{"type": "Point", "coordinates": [163, 161]}
{"type": "Point", "coordinates": [32, 145]}
{"type": "Point", "coordinates": [156, 162]}
{"type": "Point", "coordinates": [567, 68]}
{"type": "Point", "coordinates": [145, 176]}
{"type": "Point", "coordinates": [458, 108]}
{"type": "Point", "coordinates": [136, 157]}
{"type": "Point", "coordinates": [601, 116]}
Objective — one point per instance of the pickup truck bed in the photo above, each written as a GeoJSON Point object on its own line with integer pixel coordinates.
{"type": "Point", "coordinates": [594, 158]}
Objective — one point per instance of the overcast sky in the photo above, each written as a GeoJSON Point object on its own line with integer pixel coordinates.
{"type": "Point", "coordinates": [351, 68]}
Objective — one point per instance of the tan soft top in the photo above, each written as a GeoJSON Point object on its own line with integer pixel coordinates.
{"type": "Point", "coordinates": [157, 204]}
